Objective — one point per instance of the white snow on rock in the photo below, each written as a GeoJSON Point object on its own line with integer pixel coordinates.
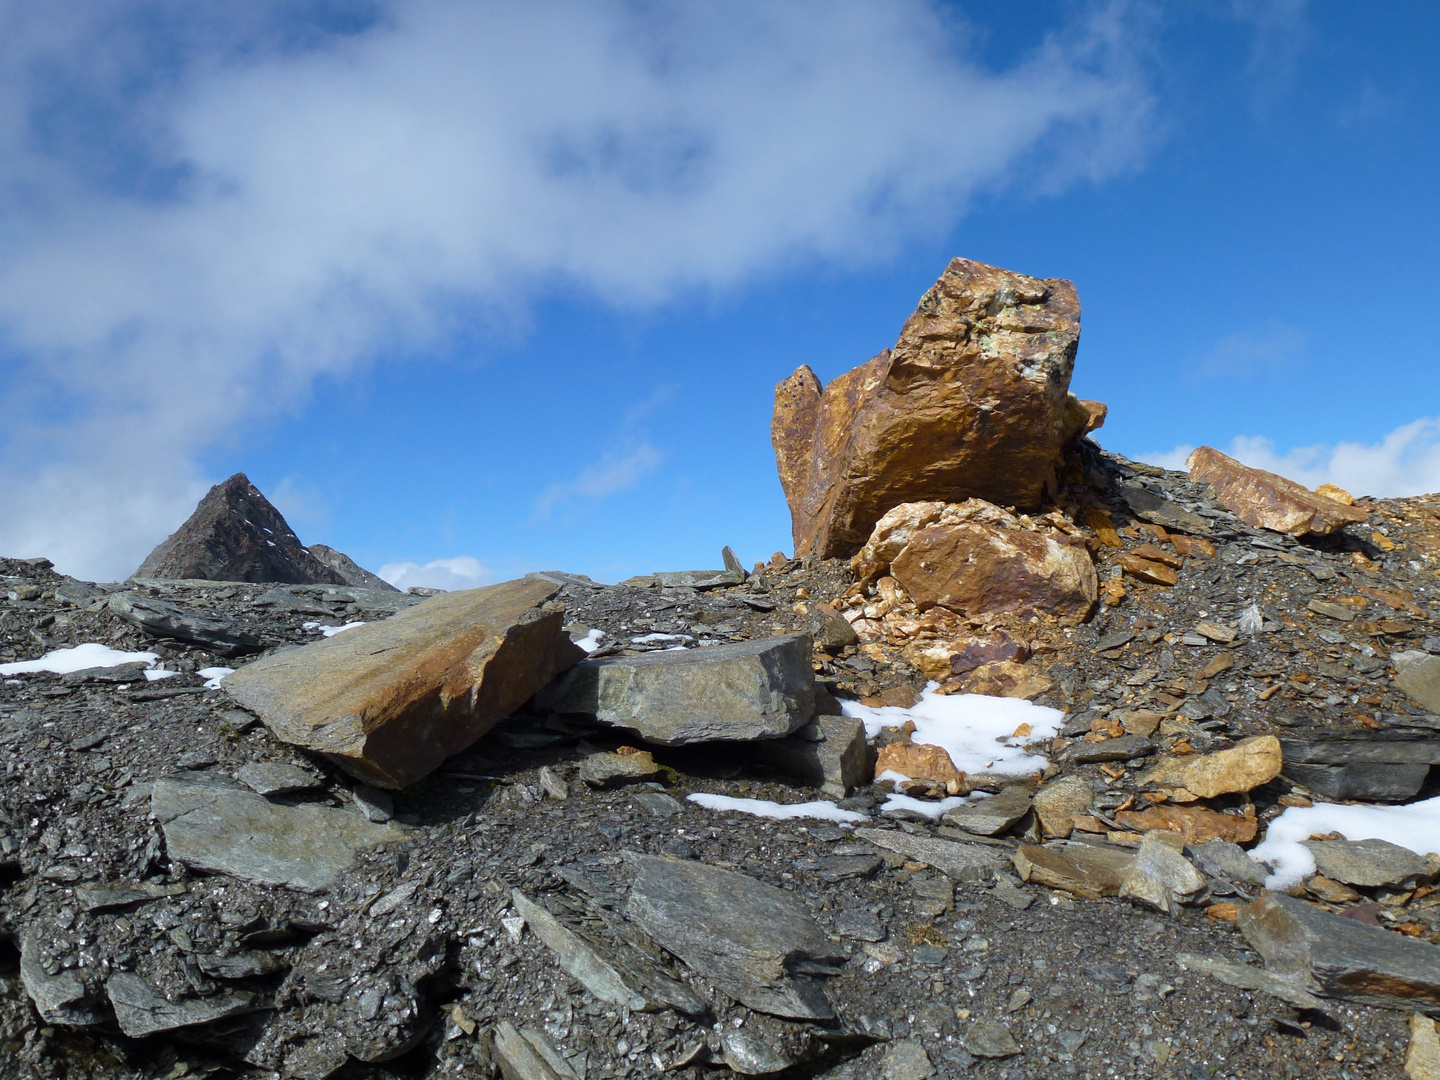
{"type": "Point", "coordinates": [927, 807]}
{"type": "Point", "coordinates": [213, 676]}
{"type": "Point", "coordinates": [978, 732]}
{"type": "Point", "coordinates": [156, 673]}
{"type": "Point", "coordinates": [1416, 826]}
{"type": "Point", "coordinates": [330, 631]}
{"type": "Point", "coordinates": [825, 811]}
{"type": "Point", "coordinates": [649, 639]}
{"type": "Point", "coordinates": [591, 641]}
{"type": "Point", "coordinates": [89, 655]}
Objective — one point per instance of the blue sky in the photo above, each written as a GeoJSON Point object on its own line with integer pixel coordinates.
{"type": "Point", "coordinates": [500, 286]}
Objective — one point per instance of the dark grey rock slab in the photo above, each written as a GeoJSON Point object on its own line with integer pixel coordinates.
{"type": "Point", "coordinates": [576, 958]}
{"type": "Point", "coordinates": [528, 1055]}
{"type": "Point", "coordinates": [992, 816]}
{"type": "Point", "coordinates": [1418, 674]}
{"type": "Point", "coordinates": [1343, 958]}
{"type": "Point", "coordinates": [142, 1010]}
{"type": "Point", "coordinates": [740, 691]}
{"type": "Point", "coordinates": [276, 778]}
{"type": "Point", "coordinates": [990, 1039]}
{"type": "Point", "coordinates": [833, 868]}
{"type": "Point", "coordinates": [120, 673]}
{"type": "Point", "coordinates": [906, 1059]}
{"type": "Point", "coordinates": [213, 824]}
{"type": "Point", "coordinates": [62, 997]}
{"type": "Point", "coordinates": [1120, 749]}
{"type": "Point", "coordinates": [1288, 988]}
{"type": "Point", "coordinates": [160, 618]}
{"type": "Point", "coordinates": [755, 942]}
{"type": "Point", "coordinates": [111, 897]}
{"type": "Point", "coordinates": [1221, 860]}
{"type": "Point", "coordinates": [828, 753]}
{"type": "Point", "coordinates": [1370, 864]}
{"type": "Point", "coordinates": [860, 924]}
{"type": "Point", "coordinates": [1158, 510]}
{"type": "Point", "coordinates": [245, 965]}
{"type": "Point", "coordinates": [1382, 766]}
{"type": "Point", "coordinates": [958, 860]}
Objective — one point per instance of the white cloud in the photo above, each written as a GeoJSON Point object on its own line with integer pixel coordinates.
{"type": "Point", "coordinates": [614, 472]}
{"type": "Point", "coordinates": [461, 572]}
{"type": "Point", "coordinates": [1258, 351]}
{"type": "Point", "coordinates": [1404, 462]}
{"type": "Point", "coordinates": [207, 207]}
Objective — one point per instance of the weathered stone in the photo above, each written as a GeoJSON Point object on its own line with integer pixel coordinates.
{"type": "Point", "coordinates": [1196, 824]}
{"type": "Point", "coordinates": [389, 701]}
{"type": "Point", "coordinates": [744, 690]}
{"type": "Point", "coordinates": [1057, 803]}
{"type": "Point", "coordinates": [1243, 767]}
{"type": "Point", "coordinates": [1088, 870]}
{"type": "Point", "coordinates": [1268, 501]}
{"type": "Point", "coordinates": [276, 778]}
{"type": "Point", "coordinates": [1288, 988]}
{"type": "Point", "coordinates": [1137, 566]}
{"type": "Point", "coordinates": [1371, 864]}
{"type": "Point", "coordinates": [606, 770]}
{"type": "Point", "coordinates": [834, 762]}
{"type": "Point", "coordinates": [992, 816]}
{"type": "Point", "coordinates": [62, 998]}
{"type": "Point", "coordinates": [245, 965]}
{"type": "Point", "coordinates": [576, 958]}
{"type": "Point", "coordinates": [962, 862]}
{"type": "Point", "coordinates": [990, 1039]}
{"type": "Point", "coordinates": [141, 1010]}
{"type": "Point", "coordinates": [1002, 678]}
{"type": "Point", "coordinates": [528, 1055]}
{"type": "Point", "coordinates": [906, 1060]}
{"type": "Point", "coordinates": [833, 868]}
{"type": "Point", "coordinates": [213, 824]}
{"type": "Point", "coordinates": [1344, 958]}
{"type": "Point", "coordinates": [236, 535]}
{"type": "Point", "coordinates": [1161, 877]}
{"type": "Point", "coordinates": [753, 941]}
{"type": "Point", "coordinates": [1418, 674]}
{"type": "Point", "coordinates": [1158, 510]}
{"type": "Point", "coordinates": [120, 673]}
{"type": "Point", "coordinates": [976, 569]}
{"type": "Point", "coordinates": [972, 401]}
{"type": "Point", "coordinates": [1121, 748]}
{"type": "Point", "coordinates": [1330, 890]}
{"type": "Point", "coordinates": [921, 761]}
{"type": "Point", "coordinates": [1221, 860]}
{"type": "Point", "coordinates": [109, 897]}
{"type": "Point", "coordinates": [1339, 612]}
{"type": "Point", "coordinates": [1371, 766]}
{"type": "Point", "coordinates": [160, 618]}
{"type": "Point", "coordinates": [1422, 1057]}
{"type": "Point", "coordinates": [349, 570]}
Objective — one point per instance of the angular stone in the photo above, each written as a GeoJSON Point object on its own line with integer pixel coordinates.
{"type": "Point", "coordinates": [977, 569]}
{"type": "Point", "coordinates": [962, 862]}
{"type": "Point", "coordinates": [906, 1060]}
{"type": "Point", "coordinates": [743, 690]}
{"type": "Point", "coordinates": [1122, 748]}
{"type": "Point", "coordinates": [276, 778]}
{"type": "Point", "coordinates": [1288, 988]}
{"type": "Point", "coordinates": [1344, 958]}
{"type": "Point", "coordinates": [833, 868]}
{"type": "Point", "coordinates": [990, 1039]}
{"type": "Point", "coordinates": [349, 571]}
{"type": "Point", "coordinates": [1268, 501]}
{"type": "Point", "coordinates": [1090, 870]}
{"type": "Point", "coordinates": [141, 1010]}
{"type": "Point", "coordinates": [576, 958]}
{"type": "Point", "coordinates": [213, 824]}
{"type": "Point", "coordinates": [992, 816]}
{"type": "Point", "coordinates": [1138, 566]}
{"type": "Point", "coordinates": [120, 673]}
{"type": "Point", "coordinates": [1332, 611]}
{"type": "Point", "coordinates": [1422, 1058]}
{"type": "Point", "coordinates": [63, 998]}
{"type": "Point", "coordinates": [1196, 824]}
{"type": "Point", "coordinates": [1371, 766]}
{"type": "Point", "coordinates": [1057, 803]}
{"type": "Point", "coordinates": [1192, 547]}
{"type": "Point", "coordinates": [1371, 864]}
{"type": "Point", "coordinates": [1158, 510]}
{"type": "Point", "coordinates": [160, 618]}
{"type": "Point", "coordinates": [528, 1055]}
{"type": "Point", "coordinates": [921, 761]}
{"type": "Point", "coordinates": [1223, 861]}
{"type": "Point", "coordinates": [752, 940]}
{"type": "Point", "coordinates": [834, 762]}
{"type": "Point", "coordinates": [972, 401]}
{"type": "Point", "coordinates": [1418, 674]}
{"type": "Point", "coordinates": [389, 701]}
{"type": "Point", "coordinates": [236, 535]}
{"type": "Point", "coordinates": [605, 770]}
{"type": "Point", "coordinates": [1161, 877]}
{"type": "Point", "coordinates": [1243, 767]}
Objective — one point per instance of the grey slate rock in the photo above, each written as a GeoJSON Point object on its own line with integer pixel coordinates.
{"type": "Point", "coordinates": [213, 824]}
{"type": "Point", "coordinates": [828, 753]}
{"type": "Point", "coordinates": [276, 778]}
{"type": "Point", "coordinates": [1221, 860]}
{"type": "Point", "coordinates": [906, 1059]}
{"type": "Point", "coordinates": [528, 1055]}
{"type": "Point", "coordinates": [992, 816]}
{"type": "Point", "coordinates": [575, 957]}
{"type": "Point", "coordinates": [1370, 864]}
{"type": "Point", "coordinates": [739, 691]}
{"type": "Point", "coordinates": [833, 868]}
{"type": "Point", "coordinates": [1418, 674]}
{"type": "Point", "coordinates": [62, 998]}
{"type": "Point", "coordinates": [755, 942]}
{"type": "Point", "coordinates": [1341, 957]}
{"type": "Point", "coordinates": [141, 1010]}
{"type": "Point", "coordinates": [120, 673]}
{"type": "Point", "coordinates": [160, 618]}
{"type": "Point", "coordinates": [1120, 749]}
{"type": "Point", "coordinates": [990, 1039]}
{"type": "Point", "coordinates": [860, 924]}
{"type": "Point", "coordinates": [1159, 510]}
{"type": "Point", "coordinates": [1377, 766]}
{"type": "Point", "coordinates": [960, 861]}
{"type": "Point", "coordinates": [1288, 988]}
{"type": "Point", "coordinates": [349, 570]}
{"type": "Point", "coordinates": [1161, 877]}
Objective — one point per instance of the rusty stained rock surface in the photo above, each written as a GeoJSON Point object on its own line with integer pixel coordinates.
{"type": "Point", "coordinates": [389, 701]}
{"type": "Point", "coordinates": [973, 400]}
{"type": "Point", "coordinates": [1268, 501]}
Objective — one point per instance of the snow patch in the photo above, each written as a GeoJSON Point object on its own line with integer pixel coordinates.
{"type": "Point", "coordinates": [156, 673]}
{"type": "Point", "coordinates": [825, 811]}
{"type": "Point", "coordinates": [926, 807]}
{"type": "Point", "coordinates": [330, 631]}
{"type": "Point", "coordinates": [213, 676]}
{"type": "Point", "coordinates": [89, 655]}
{"type": "Point", "coordinates": [591, 641]}
{"type": "Point", "coordinates": [647, 639]}
{"type": "Point", "coordinates": [978, 732]}
{"type": "Point", "coordinates": [1416, 826]}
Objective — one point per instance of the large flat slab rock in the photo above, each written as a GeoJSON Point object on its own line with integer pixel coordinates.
{"type": "Point", "coordinates": [960, 861]}
{"type": "Point", "coordinates": [755, 942]}
{"type": "Point", "coordinates": [141, 1010]}
{"type": "Point", "coordinates": [972, 401]}
{"type": "Point", "coordinates": [389, 701]}
{"type": "Point", "coordinates": [160, 618]}
{"type": "Point", "coordinates": [213, 824]}
{"type": "Point", "coordinates": [1370, 766]}
{"type": "Point", "coordinates": [828, 753]}
{"type": "Point", "coordinates": [743, 690]}
{"type": "Point", "coordinates": [1268, 501]}
{"type": "Point", "coordinates": [1341, 957]}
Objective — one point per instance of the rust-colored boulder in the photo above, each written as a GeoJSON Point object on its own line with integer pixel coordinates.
{"type": "Point", "coordinates": [391, 700]}
{"type": "Point", "coordinates": [1196, 824]}
{"type": "Point", "coordinates": [1268, 501]}
{"type": "Point", "coordinates": [921, 761]}
{"type": "Point", "coordinates": [973, 400]}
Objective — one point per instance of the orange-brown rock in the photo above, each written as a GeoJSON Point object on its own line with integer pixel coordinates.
{"type": "Point", "coordinates": [1001, 678]}
{"type": "Point", "coordinates": [1192, 546]}
{"type": "Point", "coordinates": [1102, 526]}
{"type": "Point", "coordinates": [1195, 823]}
{"type": "Point", "coordinates": [391, 700]}
{"type": "Point", "coordinates": [921, 761]}
{"type": "Point", "coordinates": [975, 569]}
{"type": "Point", "coordinates": [1152, 553]}
{"type": "Point", "coordinates": [1146, 570]}
{"type": "Point", "coordinates": [1268, 501]}
{"type": "Point", "coordinates": [973, 400]}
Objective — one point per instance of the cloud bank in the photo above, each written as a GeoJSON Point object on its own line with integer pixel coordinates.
{"type": "Point", "coordinates": [202, 210]}
{"type": "Point", "coordinates": [461, 572]}
{"type": "Point", "coordinates": [1404, 462]}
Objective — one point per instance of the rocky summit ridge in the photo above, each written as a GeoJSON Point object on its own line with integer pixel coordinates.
{"type": "Point", "coordinates": [1041, 763]}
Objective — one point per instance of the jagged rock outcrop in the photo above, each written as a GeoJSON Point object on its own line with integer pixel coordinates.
{"type": "Point", "coordinates": [973, 400]}
{"type": "Point", "coordinates": [1268, 501]}
{"type": "Point", "coordinates": [235, 534]}
{"type": "Point", "coordinates": [353, 573]}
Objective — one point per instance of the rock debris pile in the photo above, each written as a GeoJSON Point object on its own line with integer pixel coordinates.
{"type": "Point", "coordinates": [1036, 762]}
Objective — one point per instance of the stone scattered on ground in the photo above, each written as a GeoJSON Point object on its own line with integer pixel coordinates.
{"type": "Point", "coordinates": [1268, 501]}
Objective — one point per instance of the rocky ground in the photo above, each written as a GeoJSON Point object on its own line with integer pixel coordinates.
{"type": "Point", "coordinates": [500, 911]}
